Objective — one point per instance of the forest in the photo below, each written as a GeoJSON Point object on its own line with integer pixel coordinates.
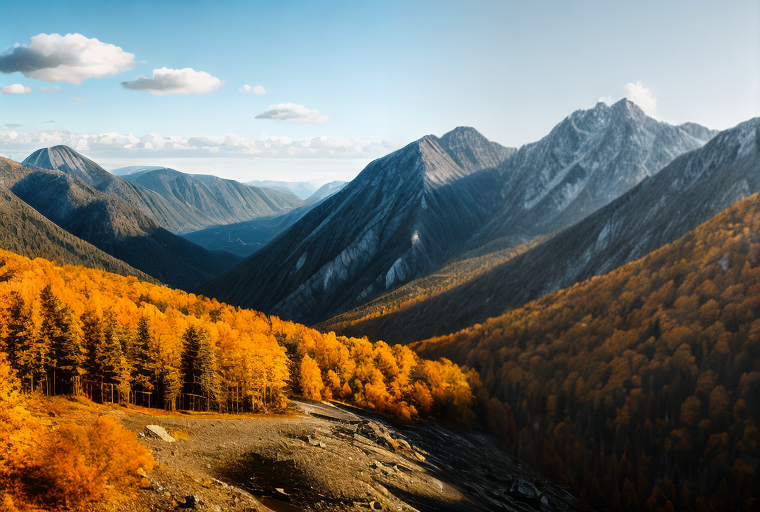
{"type": "Point", "coordinates": [71, 330]}
{"type": "Point", "coordinates": [641, 388]}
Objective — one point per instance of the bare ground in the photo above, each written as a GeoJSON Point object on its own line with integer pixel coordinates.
{"type": "Point", "coordinates": [319, 457]}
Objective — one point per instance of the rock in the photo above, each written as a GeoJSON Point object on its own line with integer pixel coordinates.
{"type": "Point", "coordinates": [190, 502]}
{"type": "Point", "coordinates": [159, 432]}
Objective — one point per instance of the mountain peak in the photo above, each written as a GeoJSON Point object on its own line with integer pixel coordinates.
{"type": "Point", "coordinates": [67, 160]}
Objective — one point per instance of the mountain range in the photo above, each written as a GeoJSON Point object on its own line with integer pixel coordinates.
{"type": "Point", "coordinates": [403, 216]}
{"type": "Point", "coordinates": [410, 213]}
{"type": "Point", "coordinates": [687, 192]}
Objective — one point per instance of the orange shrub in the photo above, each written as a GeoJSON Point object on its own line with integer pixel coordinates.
{"type": "Point", "coordinates": [76, 467]}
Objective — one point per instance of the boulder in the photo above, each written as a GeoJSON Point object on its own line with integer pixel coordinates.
{"type": "Point", "coordinates": [159, 432]}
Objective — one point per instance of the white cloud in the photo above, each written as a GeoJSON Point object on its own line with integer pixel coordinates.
{"type": "Point", "coordinates": [293, 113]}
{"type": "Point", "coordinates": [16, 89]}
{"type": "Point", "coordinates": [258, 90]}
{"type": "Point", "coordinates": [641, 96]}
{"type": "Point", "coordinates": [167, 81]}
{"type": "Point", "coordinates": [70, 58]}
{"type": "Point", "coordinates": [152, 145]}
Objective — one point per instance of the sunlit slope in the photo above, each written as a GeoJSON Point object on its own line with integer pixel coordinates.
{"type": "Point", "coordinates": [621, 382]}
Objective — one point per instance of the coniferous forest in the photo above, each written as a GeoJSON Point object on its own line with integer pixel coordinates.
{"type": "Point", "coordinates": [640, 388]}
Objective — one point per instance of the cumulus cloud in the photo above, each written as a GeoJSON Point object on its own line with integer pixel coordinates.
{"type": "Point", "coordinates": [16, 89]}
{"type": "Point", "coordinates": [641, 96]}
{"type": "Point", "coordinates": [256, 89]}
{"type": "Point", "coordinates": [293, 113]}
{"type": "Point", "coordinates": [167, 81]}
{"type": "Point", "coordinates": [116, 145]}
{"type": "Point", "coordinates": [70, 58]}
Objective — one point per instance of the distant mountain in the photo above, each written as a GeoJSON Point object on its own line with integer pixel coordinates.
{"type": "Point", "coordinates": [216, 200]}
{"type": "Point", "coordinates": [590, 158]}
{"type": "Point", "coordinates": [25, 231]}
{"type": "Point", "coordinates": [123, 171]}
{"type": "Point", "coordinates": [689, 191]}
{"type": "Point", "coordinates": [245, 238]}
{"type": "Point", "coordinates": [326, 191]}
{"type": "Point", "coordinates": [302, 189]}
{"type": "Point", "coordinates": [178, 202]}
{"type": "Point", "coordinates": [403, 216]}
{"type": "Point", "coordinates": [103, 209]}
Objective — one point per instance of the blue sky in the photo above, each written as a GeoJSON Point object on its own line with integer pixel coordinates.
{"type": "Point", "coordinates": [383, 73]}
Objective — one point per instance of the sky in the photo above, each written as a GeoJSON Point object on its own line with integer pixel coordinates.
{"type": "Point", "coordinates": [315, 90]}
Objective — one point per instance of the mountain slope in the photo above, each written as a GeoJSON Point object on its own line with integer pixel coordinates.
{"type": "Point", "coordinates": [326, 191]}
{"type": "Point", "coordinates": [178, 202]}
{"type": "Point", "coordinates": [25, 231]}
{"type": "Point", "coordinates": [216, 200]}
{"type": "Point", "coordinates": [114, 224]}
{"type": "Point", "coordinates": [689, 191]}
{"type": "Point", "coordinates": [403, 216]}
{"type": "Point", "coordinates": [590, 158]}
{"type": "Point", "coordinates": [649, 370]}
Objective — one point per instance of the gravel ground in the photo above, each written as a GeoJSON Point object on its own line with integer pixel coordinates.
{"type": "Point", "coordinates": [318, 457]}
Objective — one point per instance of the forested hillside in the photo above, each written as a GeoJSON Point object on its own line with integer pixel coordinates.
{"type": "Point", "coordinates": [70, 329]}
{"type": "Point", "coordinates": [640, 388]}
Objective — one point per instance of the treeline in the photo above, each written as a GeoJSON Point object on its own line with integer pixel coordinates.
{"type": "Point", "coordinates": [641, 388]}
{"type": "Point", "coordinates": [75, 330]}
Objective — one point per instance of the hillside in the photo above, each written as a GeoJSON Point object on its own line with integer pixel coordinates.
{"type": "Point", "coordinates": [403, 216]}
{"type": "Point", "coordinates": [640, 388]}
{"type": "Point", "coordinates": [215, 200]}
{"type": "Point", "coordinates": [687, 192]}
{"type": "Point", "coordinates": [115, 225]}
{"type": "Point", "coordinates": [178, 202]}
{"type": "Point", "coordinates": [245, 238]}
{"type": "Point", "coordinates": [26, 232]}
{"type": "Point", "coordinates": [111, 339]}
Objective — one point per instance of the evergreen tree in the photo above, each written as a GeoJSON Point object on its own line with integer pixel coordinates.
{"type": "Point", "coordinates": [143, 367]}
{"type": "Point", "coordinates": [59, 334]}
{"type": "Point", "coordinates": [92, 339]}
{"type": "Point", "coordinates": [200, 375]}
{"type": "Point", "coordinates": [19, 329]}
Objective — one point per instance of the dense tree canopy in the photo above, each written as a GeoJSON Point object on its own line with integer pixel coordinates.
{"type": "Point", "coordinates": [640, 388]}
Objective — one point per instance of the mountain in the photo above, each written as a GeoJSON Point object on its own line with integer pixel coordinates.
{"type": "Point", "coordinates": [403, 216]}
{"type": "Point", "coordinates": [590, 158]}
{"type": "Point", "coordinates": [107, 218]}
{"type": "Point", "coordinates": [651, 369]}
{"type": "Point", "coordinates": [302, 189]}
{"type": "Point", "coordinates": [693, 188]}
{"type": "Point", "coordinates": [215, 200]}
{"type": "Point", "coordinates": [245, 238]}
{"type": "Point", "coordinates": [123, 171]}
{"type": "Point", "coordinates": [179, 202]}
{"type": "Point", "coordinates": [326, 191]}
{"type": "Point", "coordinates": [25, 231]}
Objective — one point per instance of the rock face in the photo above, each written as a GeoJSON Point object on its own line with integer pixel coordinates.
{"type": "Point", "coordinates": [689, 191]}
{"type": "Point", "coordinates": [106, 211]}
{"type": "Point", "coordinates": [403, 216]}
{"type": "Point", "coordinates": [590, 158]}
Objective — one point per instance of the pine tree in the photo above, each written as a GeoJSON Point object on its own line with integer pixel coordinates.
{"type": "Point", "coordinates": [143, 367]}
{"type": "Point", "coordinates": [19, 333]}
{"type": "Point", "coordinates": [58, 333]}
{"type": "Point", "coordinates": [200, 375]}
